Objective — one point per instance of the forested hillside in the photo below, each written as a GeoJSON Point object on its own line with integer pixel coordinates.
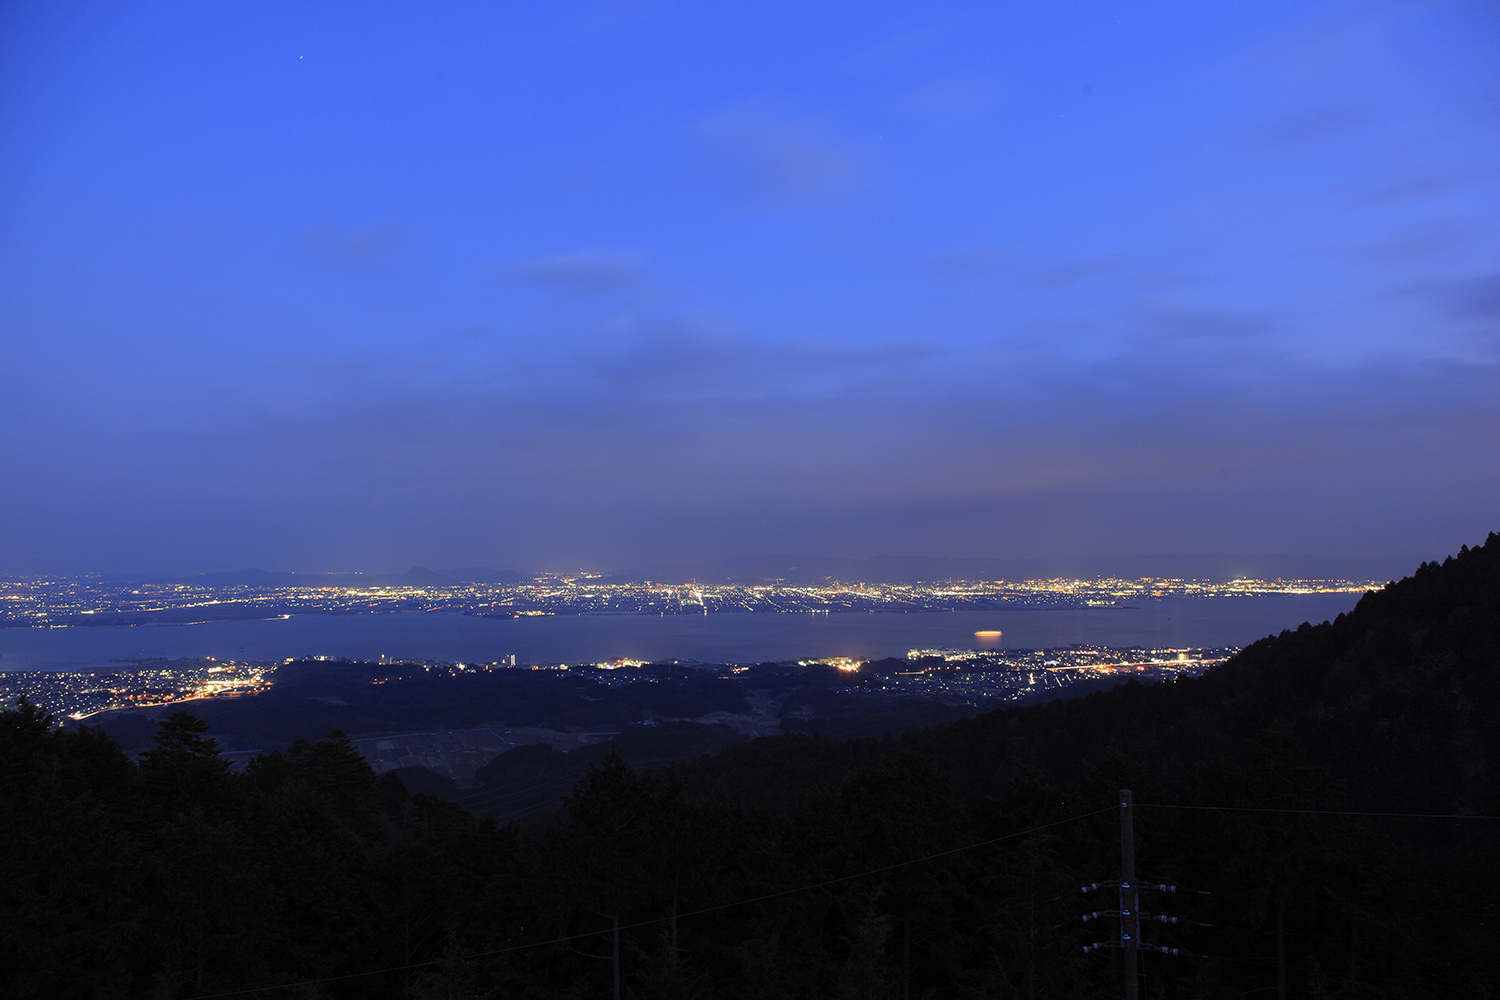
{"type": "Point", "coordinates": [942, 864]}
{"type": "Point", "coordinates": [1397, 700]}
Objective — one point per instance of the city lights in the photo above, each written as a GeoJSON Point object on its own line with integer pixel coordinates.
{"type": "Point", "coordinates": [55, 602]}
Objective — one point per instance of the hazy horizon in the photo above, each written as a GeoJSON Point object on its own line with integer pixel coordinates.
{"type": "Point", "coordinates": [880, 568]}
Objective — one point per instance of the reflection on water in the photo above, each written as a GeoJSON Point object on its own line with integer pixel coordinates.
{"type": "Point", "coordinates": [739, 638]}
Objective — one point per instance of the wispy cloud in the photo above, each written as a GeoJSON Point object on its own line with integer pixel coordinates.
{"type": "Point", "coordinates": [692, 361]}
{"type": "Point", "coordinates": [583, 273]}
{"type": "Point", "coordinates": [1167, 322]}
{"type": "Point", "coordinates": [1476, 298]}
{"type": "Point", "coordinates": [1413, 244]}
{"type": "Point", "coordinates": [952, 100]}
{"type": "Point", "coordinates": [350, 248]}
{"type": "Point", "coordinates": [611, 15]}
{"type": "Point", "coordinates": [1305, 128]}
{"type": "Point", "coordinates": [770, 158]}
{"type": "Point", "coordinates": [1408, 189]}
{"type": "Point", "coordinates": [1075, 272]}
{"type": "Point", "coordinates": [962, 264]}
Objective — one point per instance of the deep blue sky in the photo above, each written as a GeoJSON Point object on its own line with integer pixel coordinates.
{"type": "Point", "coordinates": [352, 286]}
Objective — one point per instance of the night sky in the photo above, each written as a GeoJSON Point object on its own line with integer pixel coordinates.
{"type": "Point", "coordinates": [355, 286]}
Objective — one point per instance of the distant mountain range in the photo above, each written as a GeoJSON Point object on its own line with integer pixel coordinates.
{"type": "Point", "coordinates": [809, 570]}
{"type": "Point", "coordinates": [417, 576]}
{"type": "Point", "coordinates": [908, 569]}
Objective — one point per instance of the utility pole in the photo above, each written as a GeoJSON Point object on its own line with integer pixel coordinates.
{"type": "Point", "coordinates": [1130, 922]}
{"type": "Point", "coordinates": [1129, 912]}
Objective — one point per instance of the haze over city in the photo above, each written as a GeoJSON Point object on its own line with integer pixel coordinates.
{"type": "Point", "coordinates": [328, 289]}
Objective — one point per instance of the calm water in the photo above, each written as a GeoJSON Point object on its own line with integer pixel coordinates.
{"type": "Point", "coordinates": [735, 638]}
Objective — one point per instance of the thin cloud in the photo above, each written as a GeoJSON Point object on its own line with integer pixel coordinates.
{"type": "Point", "coordinates": [350, 248]}
{"type": "Point", "coordinates": [1306, 128]}
{"type": "Point", "coordinates": [686, 361]}
{"type": "Point", "coordinates": [952, 100]}
{"type": "Point", "coordinates": [1075, 272]}
{"type": "Point", "coordinates": [1173, 323]}
{"type": "Point", "coordinates": [1476, 298]}
{"type": "Point", "coordinates": [774, 160]}
{"type": "Point", "coordinates": [1411, 188]}
{"type": "Point", "coordinates": [612, 15]}
{"type": "Point", "coordinates": [585, 273]}
{"type": "Point", "coordinates": [962, 264]}
{"type": "Point", "coordinates": [896, 50]}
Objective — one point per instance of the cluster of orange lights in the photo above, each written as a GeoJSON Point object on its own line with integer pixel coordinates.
{"type": "Point", "coordinates": [848, 664]}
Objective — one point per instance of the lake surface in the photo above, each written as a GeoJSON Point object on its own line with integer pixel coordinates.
{"type": "Point", "coordinates": [733, 638]}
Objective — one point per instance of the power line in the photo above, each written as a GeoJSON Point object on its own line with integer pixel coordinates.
{"type": "Point", "coordinates": [1468, 989]}
{"type": "Point", "coordinates": [657, 920]}
{"type": "Point", "coordinates": [1310, 812]}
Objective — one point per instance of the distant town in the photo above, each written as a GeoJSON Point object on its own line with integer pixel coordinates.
{"type": "Point", "coordinates": [141, 683]}
{"type": "Point", "coordinates": [86, 601]}
{"type": "Point", "coordinates": [956, 678]}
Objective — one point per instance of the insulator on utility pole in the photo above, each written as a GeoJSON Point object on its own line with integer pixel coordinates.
{"type": "Point", "coordinates": [1162, 887]}
{"type": "Point", "coordinates": [1084, 889]}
